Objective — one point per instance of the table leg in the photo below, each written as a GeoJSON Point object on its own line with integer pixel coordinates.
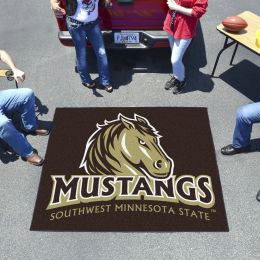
{"type": "Point", "coordinates": [226, 45]}
{"type": "Point", "coordinates": [234, 53]}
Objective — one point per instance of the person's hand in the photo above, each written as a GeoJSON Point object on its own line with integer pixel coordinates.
{"type": "Point", "coordinates": [58, 11]}
{"type": "Point", "coordinates": [19, 75]}
{"type": "Point", "coordinates": [172, 5]}
{"type": "Point", "coordinates": [108, 3]}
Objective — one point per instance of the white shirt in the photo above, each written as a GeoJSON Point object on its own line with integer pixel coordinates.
{"type": "Point", "coordinates": [87, 11]}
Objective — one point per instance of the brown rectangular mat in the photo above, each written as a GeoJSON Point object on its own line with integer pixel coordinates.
{"type": "Point", "coordinates": [130, 169]}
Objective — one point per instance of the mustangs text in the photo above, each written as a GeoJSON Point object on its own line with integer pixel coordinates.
{"type": "Point", "coordinates": [188, 189]}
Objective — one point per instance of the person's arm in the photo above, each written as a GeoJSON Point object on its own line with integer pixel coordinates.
{"type": "Point", "coordinates": [19, 75]}
{"type": "Point", "coordinates": [55, 6]}
{"type": "Point", "coordinates": [180, 9]}
{"type": "Point", "coordinates": [199, 8]}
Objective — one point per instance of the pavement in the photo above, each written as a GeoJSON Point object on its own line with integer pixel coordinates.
{"type": "Point", "coordinates": [28, 31]}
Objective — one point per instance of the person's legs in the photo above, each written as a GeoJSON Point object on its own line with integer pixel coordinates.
{"type": "Point", "coordinates": [78, 34]}
{"type": "Point", "coordinates": [14, 138]}
{"type": "Point", "coordinates": [171, 40]}
{"type": "Point", "coordinates": [27, 111]}
{"type": "Point", "coordinates": [20, 102]}
{"type": "Point", "coordinates": [246, 116]}
{"type": "Point", "coordinates": [170, 83]}
{"type": "Point", "coordinates": [178, 47]}
{"type": "Point", "coordinates": [97, 42]}
{"type": "Point", "coordinates": [178, 50]}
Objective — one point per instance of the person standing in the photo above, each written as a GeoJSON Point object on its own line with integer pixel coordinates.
{"type": "Point", "coordinates": [19, 103]}
{"type": "Point", "coordinates": [83, 24]}
{"type": "Point", "coordinates": [180, 24]}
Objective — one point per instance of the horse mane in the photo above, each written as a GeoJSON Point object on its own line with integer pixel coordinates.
{"type": "Point", "coordinates": [97, 158]}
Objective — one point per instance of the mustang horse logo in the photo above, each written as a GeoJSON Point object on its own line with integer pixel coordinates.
{"type": "Point", "coordinates": [126, 147]}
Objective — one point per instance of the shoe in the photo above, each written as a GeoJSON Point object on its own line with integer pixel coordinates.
{"type": "Point", "coordinates": [40, 132]}
{"type": "Point", "coordinates": [230, 150]}
{"type": "Point", "coordinates": [108, 88]}
{"type": "Point", "coordinates": [258, 196]}
{"type": "Point", "coordinates": [170, 84]}
{"type": "Point", "coordinates": [34, 159]}
{"type": "Point", "coordinates": [89, 85]}
{"type": "Point", "coordinates": [178, 86]}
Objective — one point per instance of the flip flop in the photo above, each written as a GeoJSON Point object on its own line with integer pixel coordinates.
{"type": "Point", "coordinates": [108, 88]}
{"type": "Point", "coordinates": [89, 85]}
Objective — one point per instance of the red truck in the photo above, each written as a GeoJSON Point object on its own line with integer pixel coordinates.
{"type": "Point", "coordinates": [132, 24]}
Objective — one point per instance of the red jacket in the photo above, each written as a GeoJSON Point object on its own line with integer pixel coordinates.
{"type": "Point", "coordinates": [185, 26]}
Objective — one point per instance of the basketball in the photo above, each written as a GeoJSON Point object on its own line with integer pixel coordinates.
{"type": "Point", "coordinates": [234, 23]}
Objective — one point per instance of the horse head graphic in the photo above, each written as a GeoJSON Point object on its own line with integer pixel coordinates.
{"type": "Point", "coordinates": [126, 147]}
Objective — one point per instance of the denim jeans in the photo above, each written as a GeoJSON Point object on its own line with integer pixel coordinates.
{"type": "Point", "coordinates": [80, 33]}
{"type": "Point", "coordinates": [179, 47]}
{"type": "Point", "coordinates": [19, 103]}
{"type": "Point", "coordinates": [246, 116]}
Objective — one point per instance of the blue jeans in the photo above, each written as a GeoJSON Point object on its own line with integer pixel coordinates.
{"type": "Point", "coordinates": [179, 47]}
{"type": "Point", "coordinates": [19, 103]}
{"type": "Point", "coordinates": [246, 116]}
{"type": "Point", "coordinates": [80, 33]}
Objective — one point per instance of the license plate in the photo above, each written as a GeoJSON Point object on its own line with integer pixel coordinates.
{"type": "Point", "coordinates": [126, 37]}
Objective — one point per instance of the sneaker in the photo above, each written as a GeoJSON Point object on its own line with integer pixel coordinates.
{"type": "Point", "coordinates": [170, 84]}
{"type": "Point", "coordinates": [89, 85]}
{"type": "Point", "coordinates": [178, 86]}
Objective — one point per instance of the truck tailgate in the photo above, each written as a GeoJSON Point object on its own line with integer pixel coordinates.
{"type": "Point", "coordinates": [133, 15]}
{"type": "Point", "coordinates": [127, 24]}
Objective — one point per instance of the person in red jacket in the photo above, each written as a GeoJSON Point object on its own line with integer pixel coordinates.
{"type": "Point", "coordinates": [180, 24]}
